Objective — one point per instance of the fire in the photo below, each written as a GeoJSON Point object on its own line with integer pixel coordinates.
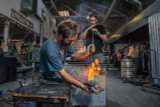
{"type": "Point", "coordinates": [130, 51]}
{"type": "Point", "coordinates": [93, 77]}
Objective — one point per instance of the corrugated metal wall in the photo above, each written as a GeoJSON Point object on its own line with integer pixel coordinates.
{"type": "Point", "coordinates": [154, 33]}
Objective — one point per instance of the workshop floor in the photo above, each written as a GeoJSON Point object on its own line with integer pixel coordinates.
{"type": "Point", "coordinates": [119, 94]}
{"type": "Point", "coordinates": [128, 95]}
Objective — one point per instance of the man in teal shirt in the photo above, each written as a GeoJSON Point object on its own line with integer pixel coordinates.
{"type": "Point", "coordinates": [54, 51]}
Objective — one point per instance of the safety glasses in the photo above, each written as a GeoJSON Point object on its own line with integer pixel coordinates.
{"type": "Point", "coordinates": [92, 20]}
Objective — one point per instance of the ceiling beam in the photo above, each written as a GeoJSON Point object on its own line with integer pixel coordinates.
{"type": "Point", "coordinates": [111, 16]}
{"type": "Point", "coordinates": [106, 7]}
{"type": "Point", "coordinates": [25, 36]}
{"type": "Point", "coordinates": [70, 16]}
{"type": "Point", "coordinates": [109, 11]}
{"type": "Point", "coordinates": [54, 6]}
{"type": "Point", "coordinates": [94, 10]}
{"type": "Point", "coordinates": [80, 10]}
{"type": "Point", "coordinates": [120, 13]}
{"type": "Point", "coordinates": [71, 10]}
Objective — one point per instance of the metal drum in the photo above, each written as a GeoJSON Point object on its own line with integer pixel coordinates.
{"type": "Point", "coordinates": [127, 69]}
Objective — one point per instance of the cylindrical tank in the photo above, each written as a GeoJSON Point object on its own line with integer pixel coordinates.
{"type": "Point", "coordinates": [127, 69]}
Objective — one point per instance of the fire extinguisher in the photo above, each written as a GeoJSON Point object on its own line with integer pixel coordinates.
{"type": "Point", "coordinates": [9, 42]}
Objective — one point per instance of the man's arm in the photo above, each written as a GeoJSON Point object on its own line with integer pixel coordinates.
{"type": "Point", "coordinates": [72, 80]}
{"type": "Point", "coordinates": [102, 36]}
{"type": "Point", "coordinates": [81, 55]}
{"type": "Point", "coordinates": [84, 34]}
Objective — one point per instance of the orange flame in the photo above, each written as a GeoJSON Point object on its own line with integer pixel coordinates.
{"type": "Point", "coordinates": [130, 51]}
{"type": "Point", "coordinates": [94, 70]}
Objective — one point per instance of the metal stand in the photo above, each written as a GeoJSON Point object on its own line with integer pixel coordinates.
{"type": "Point", "coordinates": [152, 88]}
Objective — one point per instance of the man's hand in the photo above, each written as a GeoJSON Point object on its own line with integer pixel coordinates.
{"type": "Point", "coordinates": [81, 55]}
{"type": "Point", "coordinates": [83, 35]}
{"type": "Point", "coordinates": [95, 31]}
{"type": "Point", "coordinates": [90, 49]}
{"type": "Point", "coordinates": [87, 88]}
{"type": "Point", "coordinates": [102, 36]}
{"type": "Point", "coordinates": [91, 27]}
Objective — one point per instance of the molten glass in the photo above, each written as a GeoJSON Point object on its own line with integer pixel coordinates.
{"type": "Point", "coordinates": [93, 76]}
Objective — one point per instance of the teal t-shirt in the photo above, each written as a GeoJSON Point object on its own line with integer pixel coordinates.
{"type": "Point", "coordinates": [52, 57]}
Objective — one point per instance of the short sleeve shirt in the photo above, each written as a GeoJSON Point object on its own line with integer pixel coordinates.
{"type": "Point", "coordinates": [52, 57]}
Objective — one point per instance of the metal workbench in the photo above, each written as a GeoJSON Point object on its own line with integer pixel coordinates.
{"type": "Point", "coordinates": [44, 92]}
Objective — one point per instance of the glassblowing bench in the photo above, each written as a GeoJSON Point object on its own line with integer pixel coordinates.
{"type": "Point", "coordinates": [43, 92]}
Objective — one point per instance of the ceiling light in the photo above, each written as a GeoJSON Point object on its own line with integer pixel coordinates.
{"type": "Point", "coordinates": [64, 13]}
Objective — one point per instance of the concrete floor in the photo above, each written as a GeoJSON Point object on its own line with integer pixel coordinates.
{"type": "Point", "coordinates": [119, 94]}
{"type": "Point", "coordinates": [127, 95]}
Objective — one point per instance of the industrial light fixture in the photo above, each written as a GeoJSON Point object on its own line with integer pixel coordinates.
{"type": "Point", "coordinates": [15, 40]}
{"type": "Point", "coordinates": [64, 13]}
{"type": "Point", "coordinates": [115, 36]}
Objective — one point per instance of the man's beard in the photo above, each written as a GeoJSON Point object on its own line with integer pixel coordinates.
{"type": "Point", "coordinates": [63, 43]}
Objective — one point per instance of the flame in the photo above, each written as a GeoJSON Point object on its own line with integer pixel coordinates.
{"type": "Point", "coordinates": [94, 70]}
{"type": "Point", "coordinates": [130, 51]}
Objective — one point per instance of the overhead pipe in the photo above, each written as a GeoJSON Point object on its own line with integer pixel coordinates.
{"type": "Point", "coordinates": [109, 11]}
{"type": "Point", "coordinates": [138, 21]}
{"type": "Point", "coordinates": [136, 2]}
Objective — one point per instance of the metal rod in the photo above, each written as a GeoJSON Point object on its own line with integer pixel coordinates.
{"type": "Point", "coordinates": [92, 43]}
{"type": "Point", "coordinates": [92, 37]}
{"type": "Point", "coordinates": [41, 33]}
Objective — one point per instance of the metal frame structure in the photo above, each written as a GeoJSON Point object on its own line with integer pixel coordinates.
{"type": "Point", "coordinates": [154, 33]}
